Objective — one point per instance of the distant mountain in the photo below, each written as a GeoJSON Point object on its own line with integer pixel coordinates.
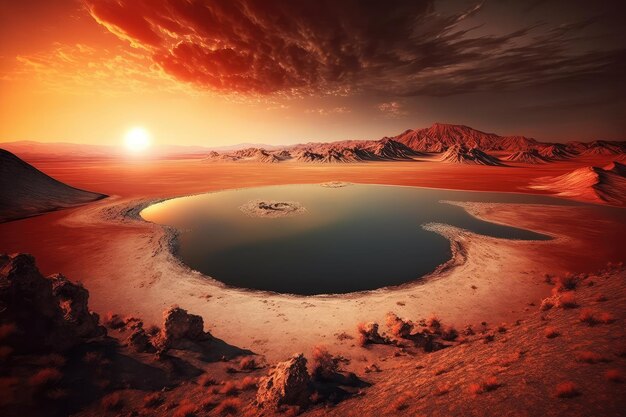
{"type": "Point", "coordinates": [25, 191]}
{"type": "Point", "coordinates": [433, 138]}
{"type": "Point", "coordinates": [529, 156]}
{"type": "Point", "coordinates": [595, 184]}
{"type": "Point", "coordinates": [459, 154]}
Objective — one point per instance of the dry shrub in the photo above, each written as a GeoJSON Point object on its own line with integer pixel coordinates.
{"type": "Point", "coordinates": [153, 400]}
{"type": "Point", "coordinates": [229, 388]}
{"type": "Point", "coordinates": [551, 332]}
{"type": "Point", "coordinates": [112, 401]}
{"type": "Point", "coordinates": [501, 328]}
{"type": "Point", "coordinates": [7, 329]}
{"type": "Point", "coordinates": [228, 406]}
{"type": "Point", "coordinates": [206, 380]}
{"type": "Point", "coordinates": [475, 389]}
{"type": "Point", "coordinates": [433, 322]}
{"type": "Point", "coordinates": [362, 331]}
{"type": "Point", "coordinates": [248, 364]}
{"type": "Point", "coordinates": [567, 389]}
{"type": "Point", "coordinates": [546, 304]}
{"type": "Point", "coordinates": [566, 283]}
{"type": "Point", "coordinates": [588, 316]}
{"type": "Point", "coordinates": [114, 321]}
{"type": "Point", "coordinates": [44, 377]}
{"type": "Point", "coordinates": [489, 337]}
{"type": "Point", "coordinates": [401, 402]}
{"type": "Point", "coordinates": [247, 383]}
{"type": "Point", "coordinates": [606, 318]}
{"type": "Point", "coordinates": [185, 409]}
{"type": "Point", "coordinates": [588, 356]}
{"type": "Point", "coordinates": [443, 389]}
{"type": "Point", "coordinates": [614, 375]}
{"type": "Point", "coordinates": [567, 300]}
{"type": "Point", "coordinates": [324, 364]}
{"type": "Point", "coordinates": [449, 333]}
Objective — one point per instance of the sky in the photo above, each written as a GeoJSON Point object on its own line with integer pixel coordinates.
{"type": "Point", "coordinates": [220, 72]}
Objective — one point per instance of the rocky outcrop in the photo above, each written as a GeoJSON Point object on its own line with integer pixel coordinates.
{"type": "Point", "coordinates": [50, 314]}
{"type": "Point", "coordinates": [368, 334]}
{"type": "Point", "coordinates": [461, 155]}
{"type": "Point", "coordinates": [531, 156]}
{"type": "Point", "coordinates": [287, 384]}
{"type": "Point", "coordinates": [178, 327]}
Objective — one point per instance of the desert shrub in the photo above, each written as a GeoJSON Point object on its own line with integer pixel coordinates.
{"type": "Point", "coordinates": [501, 328]}
{"type": "Point", "coordinates": [247, 383]}
{"type": "Point", "coordinates": [153, 400]}
{"type": "Point", "coordinates": [248, 364]}
{"type": "Point", "coordinates": [112, 401]}
{"type": "Point", "coordinates": [44, 377]}
{"type": "Point", "coordinates": [323, 364]}
{"type": "Point", "coordinates": [567, 390]}
{"type": "Point", "coordinates": [433, 322]}
{"type": "Point", "coordinates": [606, 318]}
{"type": "Point", "coordinates": [614, 375]}
{"type": "Point", "coordinates": [185, 409]}
{"type": "Point", "coordinates": [228, 406]}
{"type": "Point", "coordinates": [400, 403]}
{"type": "Point", "coordinates": [588, 356]}
{"type": "Point", "coordinates": [206, 380]}
{"type": "Point", "coordinates": [229, 388]}
{"type": "Point", "coordinates": [449, 333]}
{"type": "Point", "coordinates": [546, 304]}
{"type": "Point", "coordinates": [551, 332]}
{"type": "Point", "coordinates": [567, 300]}
{"type": "Point", "coordinates": [489, 337]}
{"type": "Point", "coordinates": [566, 283]}
{"type": "Point", "coordinates": [587, 316]}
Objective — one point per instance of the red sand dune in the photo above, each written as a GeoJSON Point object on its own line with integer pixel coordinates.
{"type": "Point", "coordinates": [25, 191]}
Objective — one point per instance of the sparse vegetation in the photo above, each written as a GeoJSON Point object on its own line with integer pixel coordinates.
{"type": "Point", "coordinates": [229, 388]}
{"type": "Point", "coordinates": [185, 409]}
{"type": "Point", "coordinates": [228, 406]}
{"type": "Point", "coordinates": [400, 403]}
{"type": "Point", "coordinates": [324, 366]}
{"type": "Point", "coordinates": [153, 400]}
{"type": "Point", "coordinates": [567, 389]}
{"type": "Point", "coordinates": [248, 364]}
{"type": "Point", "coordinates": [587, 316]}
{"type": "Point", "coordinates": [567, 300]}
{"type": "Point", "coordinates": [551, 332]}
{"type": "Point", "coordinates": [247, 383]}
{"type": "Point", "coordinates": [206, 380]}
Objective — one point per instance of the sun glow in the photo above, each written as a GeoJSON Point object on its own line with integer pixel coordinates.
{"type": "Point", "coordinates": [137, 140]}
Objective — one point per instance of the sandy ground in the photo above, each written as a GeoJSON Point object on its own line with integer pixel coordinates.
{"type": "Point", "coordinates": [128, 268]}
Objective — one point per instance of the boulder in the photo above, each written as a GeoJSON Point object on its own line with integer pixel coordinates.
{"type": "Point", "coordinates": [287, 384]}
{"type": "Point", "coordinates": [368, 333]}
{"type": "Point", "coordinates": [179, 325]}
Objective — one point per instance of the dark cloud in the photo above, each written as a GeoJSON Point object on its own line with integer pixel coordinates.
{"type": "Point", "coordinates": [408, 47]}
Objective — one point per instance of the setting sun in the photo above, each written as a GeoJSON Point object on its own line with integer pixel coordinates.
{"type": "Point", "coordinates": [137, 139]}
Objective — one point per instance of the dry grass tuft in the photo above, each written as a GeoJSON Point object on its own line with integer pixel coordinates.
{"type": "Point", "coordinates": [323, 364]}
{"type": "Point", "coordinates": [153, 400]}
{"type": "Point", "coordinates": [567, 300]}
{"type": "Point", "coordinates": [400, 403]}
{"type": "Point", "coordinates": [112, 401]}
{"type": "Point", "coordinates": [433, 322]}
{"type": "Point", "coordinates": [206, 380]}
{"type": "Point", "coordinates": [449, 333]}
{"type": "Point", "coordinates": [44, 377]}
{"type": "Point", "coordinates": [567, 390]}
{"type": "Point", "coordinates": [247, 383]}
{"type": "Point", "coordinates": [185, 409]}
{"type": "Point", "coordinates": [228, 406]}
{"type": "Point", "coordinates": [229, 388]}
{"type": "Point", "coordinates": [248, 364]}
{"type": "Point", "coordinates": [587, 316]}
{"type": "Point", "coordinates": [588, 356]}
{"type": "Point", "coordinates": [551, 332]}
{"type": "Point", "coordinates": [568, 282]}
{"type": "Point", "coordinates": [606, 318]}
{"type": "Point", "coordinates": [614, 375]}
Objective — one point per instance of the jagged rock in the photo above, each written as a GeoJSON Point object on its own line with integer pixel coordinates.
{"type": "Point", "coordinates": [73, 300]}
{"type": "Point", "coordinates": [139, 341]}
{"type": "Point", "coordinates": [288, 383]}
{"type": "Point", "coordinates": [179, 325]}
{"type": "Point", "coordinates": [399, 328]}
{"type": "Point", "coordinates": [368, 333]}
{"type": "Point", "coordinates": [50, 314]}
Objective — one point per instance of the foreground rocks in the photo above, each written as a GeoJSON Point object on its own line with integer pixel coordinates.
{"type": "Point", "coordinates": [48, 314]}
{"type": "Point", "coordinates": [287, 384]}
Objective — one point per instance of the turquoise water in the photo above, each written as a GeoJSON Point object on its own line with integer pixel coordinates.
{"type": "Point", "coordinates": [353, 238]}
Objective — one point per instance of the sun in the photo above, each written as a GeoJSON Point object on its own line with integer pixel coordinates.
{"type": "Point", "coordinates": [137, 140]}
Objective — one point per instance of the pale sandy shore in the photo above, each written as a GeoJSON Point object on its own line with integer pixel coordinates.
{"type": "Point", "coordinates": [135, 273]}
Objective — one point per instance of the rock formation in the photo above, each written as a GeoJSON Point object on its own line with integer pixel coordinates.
{"type": "Point", "coordinates": [287, 384]}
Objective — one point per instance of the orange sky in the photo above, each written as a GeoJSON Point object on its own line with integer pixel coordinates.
{"type": "Point", "coordinates": [220, 72]}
